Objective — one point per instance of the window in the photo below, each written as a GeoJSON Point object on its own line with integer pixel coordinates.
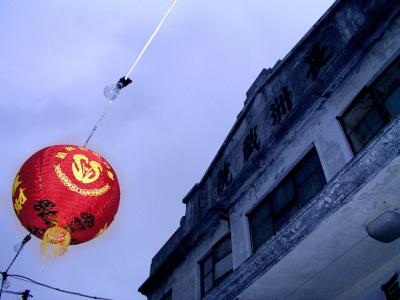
{"type": "Point", "coordinates": [292, 193]}
{"type": "Point", "coordinates": [373, 108]}
{"type": "Point", "coordinates": [392, 288]}
{"type": "Point", "coordinates": [167, 296]}
{"type": "Point", "coordinates": [216, 265]}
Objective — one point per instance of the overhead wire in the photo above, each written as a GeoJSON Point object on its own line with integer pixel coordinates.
{"type": "Point", "coordinates": [27, 279]}
{"type": "Point", "coordinates": [4, 274]}
{"type": "Point", "coordinates": [12, 292]}
{"type": "Point", "coordinates": [150, 39]}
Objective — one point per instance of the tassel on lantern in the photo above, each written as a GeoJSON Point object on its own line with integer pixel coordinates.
{"type": "Point", "coordinates": [59, 237]}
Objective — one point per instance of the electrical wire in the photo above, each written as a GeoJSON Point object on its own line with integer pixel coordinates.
{"type": "Point", "coordinates": [27, 279]}
{"type": "Point", "coordinates": [4, 274]}
{"type": "Point", "coordinates": [24, 294]}
{"type": "Point", "coordinates": [12, 292]}
{"type": "Point", "coordinates": [24, 241]}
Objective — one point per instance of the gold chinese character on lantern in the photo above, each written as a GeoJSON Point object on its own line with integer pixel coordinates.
{"type": "Point", "coordinates": [84, 170]}
{"type": "Point", "coordinates": [20, 201]}
{"type": "Point", "coordinates": [16, 183]}
{"type": "Point", "coordinates": [110, 175]}
{"type": "Point", "coordinates": [61, 155]}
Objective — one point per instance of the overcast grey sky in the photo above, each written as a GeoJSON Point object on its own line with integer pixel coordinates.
{"type": "Point", "coordinates": [161, 134]}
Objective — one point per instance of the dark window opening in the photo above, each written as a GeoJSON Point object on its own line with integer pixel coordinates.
{"type": "Point", "coordinates": [291, 194]}
{"type": "Point", "coordinates": [216, 265]}
{"type": "Point", "coordinates": [373, 108]}
{"type": "Point", "coordinates": [167, 296]}
{"type": "Point", "coordinates": [392, 288]}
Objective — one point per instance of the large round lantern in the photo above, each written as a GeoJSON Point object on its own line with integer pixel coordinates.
{"type": "Point", "coordinates": [65, 194]}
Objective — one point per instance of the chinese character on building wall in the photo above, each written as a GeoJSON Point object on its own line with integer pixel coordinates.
{"type": "Point", "coordinates": [281, 105]}
{"type": "Point", "coordinates": [316, 59]}
{"type": "Point", "coordinates": [224, 178]}
{"type": "Point", "coordinates": [251, 143]}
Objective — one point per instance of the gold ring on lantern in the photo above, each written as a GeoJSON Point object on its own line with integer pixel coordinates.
{"type": "Point", "coordinates": [73, 187]}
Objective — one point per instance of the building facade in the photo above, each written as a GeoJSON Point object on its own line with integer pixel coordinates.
{"type": "Point", "coordinates": [312, 159]}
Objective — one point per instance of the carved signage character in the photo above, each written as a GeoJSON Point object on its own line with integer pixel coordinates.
{"type": "Point", "coordinates": [316, 59]}
{"type": "Point", "coordinates": [251, 143]}
{"type": "Point", "coordinates": [224, 178]}
{"type": "Point", "coordinates": [282, 105]}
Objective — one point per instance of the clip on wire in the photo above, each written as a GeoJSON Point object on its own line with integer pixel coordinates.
{"type": "Point", "coordinates": [111, 92]}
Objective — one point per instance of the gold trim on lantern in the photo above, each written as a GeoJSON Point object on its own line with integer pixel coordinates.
{"type": "Point", "coordinates": [73, 187]}
{"type": "Point", "coordinates": [102, 230]}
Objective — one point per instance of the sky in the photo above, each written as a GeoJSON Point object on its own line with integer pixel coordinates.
{"type": "Point", "coordinates": [160, 135]}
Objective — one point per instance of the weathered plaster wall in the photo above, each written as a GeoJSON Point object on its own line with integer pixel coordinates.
{"type": "Point", "coordinates": [338, 255]}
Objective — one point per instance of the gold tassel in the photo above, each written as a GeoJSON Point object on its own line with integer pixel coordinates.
{"type": "Point", "coordinates": [59, 237]}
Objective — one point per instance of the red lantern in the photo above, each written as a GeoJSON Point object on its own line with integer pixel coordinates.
{"type": "Point", "coordinates": [65, 195]}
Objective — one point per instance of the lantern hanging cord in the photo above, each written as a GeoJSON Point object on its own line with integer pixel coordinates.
{"type": "Point", "coordinates": [98, 122]}
{"type": "Point", "coordinates": [27, 279]}
{"type": "Point", "coordinates": [112, 91]}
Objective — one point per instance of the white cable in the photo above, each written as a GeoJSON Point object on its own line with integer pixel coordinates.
{"type": "Point", "coordinates": [150, 39]}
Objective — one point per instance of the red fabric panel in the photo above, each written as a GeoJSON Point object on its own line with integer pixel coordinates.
{"type": "Point", "coordinates": [68, 186]}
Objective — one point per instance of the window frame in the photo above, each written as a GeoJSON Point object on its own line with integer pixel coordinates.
{"type": "Point", "coordinates": [166, 295]}
{"type": "Point", "coordinates": [268, 198]}
{"type": "Point", "coordinates": [211, 254]}
{"type": "Point", "coordinates": [377, 103]}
